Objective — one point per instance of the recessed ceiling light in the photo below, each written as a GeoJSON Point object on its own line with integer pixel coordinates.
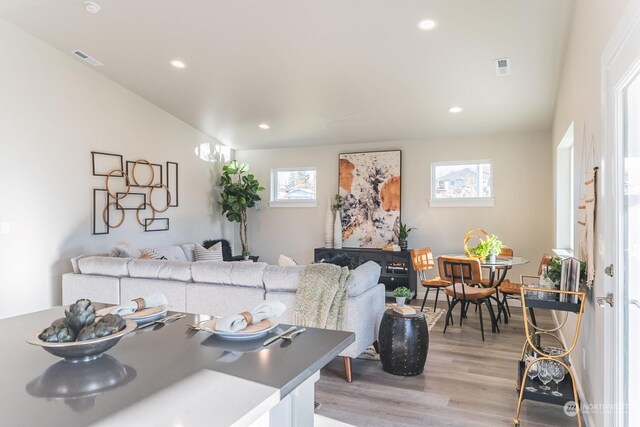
{"type": "Point", "coordinates": [264, 126]}
{"type": "Point", "coordinates": [91, 7]}
{"type": "Point", "coordinates": [427, 24]}
{"type": "Point", "coordinates": [178, 64]}
{"type": "Point", "coordinates": [455, 110]}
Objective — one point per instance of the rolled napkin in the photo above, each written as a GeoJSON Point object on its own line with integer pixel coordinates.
{"type": "Point", "coordinates": [149, 301]}
{"type": "Point", "coordinates": [237, 322]}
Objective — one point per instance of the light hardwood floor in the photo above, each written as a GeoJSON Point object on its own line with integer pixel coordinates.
{"type": "Point", "coordinates": [466, 382]}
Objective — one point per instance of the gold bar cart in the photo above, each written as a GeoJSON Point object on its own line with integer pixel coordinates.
{"type": "Point", "coordinates": [567, 302]}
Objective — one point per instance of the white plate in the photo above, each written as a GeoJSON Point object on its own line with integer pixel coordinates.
{"type": "Point", "coordinates": [240, 335]}
{"type": "Point", "coordinates": [156, 313]}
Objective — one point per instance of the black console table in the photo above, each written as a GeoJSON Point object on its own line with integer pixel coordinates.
{"type": "Point", "coordinates": [397, 269]}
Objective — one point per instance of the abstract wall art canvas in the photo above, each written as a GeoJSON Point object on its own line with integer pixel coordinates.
{"type": "Point", "coordinates": [370, 185]}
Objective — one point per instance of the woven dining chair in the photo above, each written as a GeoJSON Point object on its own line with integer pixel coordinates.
{"type": "Point", "coordinates": [422, 260]}
{"type": "Point", "coordinates": [466, 288]}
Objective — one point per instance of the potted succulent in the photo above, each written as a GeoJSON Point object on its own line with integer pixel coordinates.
{"type": "Point", "coordinates": [403, 234]}
{"type": "Point", "coordinates": [402, 294]}
{"type": "Point", "coordinates": [239, 192]}
{"type": "Point", "coordinates": [246, 255]}
{"type": "Point", "coordinates": [487, 249]}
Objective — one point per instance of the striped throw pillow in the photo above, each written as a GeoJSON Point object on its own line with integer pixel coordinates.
{"type": "Point", "coordinates": [214, 253]}
{"type": "Point", "coordinates": [152, 254]}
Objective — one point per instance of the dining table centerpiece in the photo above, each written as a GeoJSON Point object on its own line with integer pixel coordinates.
{"type": "Point", "coordinates": [488, 247]}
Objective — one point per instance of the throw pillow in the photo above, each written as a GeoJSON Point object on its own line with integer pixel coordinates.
{"type": "Point", "coordinates": [214, 253]}
{"type": "Point", "coordinates": [285, 261]}
{"type": "Point", "coordinates": [123, 250]}
{"type": "Point", "coordinates": [151, 254]}
{"type": "Point", "coordinates": [226, 248]}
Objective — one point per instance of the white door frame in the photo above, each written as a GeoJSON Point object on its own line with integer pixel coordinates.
{"type": "Point", "coordinates": [619, 63]}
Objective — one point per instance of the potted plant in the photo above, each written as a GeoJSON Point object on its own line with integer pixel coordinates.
{"type": "Point", "coordinates": [239, 192]}
{"type": "Point", "coordinates": [487, 249]}
{"type": "Point", "coordinates": [403, 234]}
{"type": "Point", "coordinates": [246, 255]}
{"type": "Point", "coordinates": [402, 294]}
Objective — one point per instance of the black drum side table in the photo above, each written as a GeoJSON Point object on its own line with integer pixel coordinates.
{"type": "Point", "coordinates": [404, 343]}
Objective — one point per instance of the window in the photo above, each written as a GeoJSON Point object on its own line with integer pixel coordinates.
{"type": "Point", "coordinates": [293, 187]}
{"type": "Point", "coordinates": [565, 193]}
{"type": "Point", "coordinates": [465, 183]}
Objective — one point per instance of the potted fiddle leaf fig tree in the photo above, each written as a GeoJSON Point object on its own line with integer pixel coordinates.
{"type": "Point", "coordinates": [239, 192]}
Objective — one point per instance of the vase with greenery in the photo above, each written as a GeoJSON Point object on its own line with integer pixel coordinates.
{"type": "Point", "coordinates": [488, 248]}
{"type": "Point", "coordinates": [554, 271]}
{"type": "Point", "coordinates": [239, 192]}
{"type": "Point", "coordinates": [403, 234]}
{"type": "Point", "coordinates": [402, 294]}
{"type": "Point", "coordinates": [336, 206]}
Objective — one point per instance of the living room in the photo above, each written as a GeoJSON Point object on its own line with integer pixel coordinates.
{"type": "Point", "coordinates": [378, 90]}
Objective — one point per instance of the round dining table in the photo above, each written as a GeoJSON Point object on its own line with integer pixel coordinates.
{"type": "Point", "coordinates": [498, 269]}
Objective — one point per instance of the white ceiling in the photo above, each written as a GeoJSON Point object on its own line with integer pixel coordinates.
{"type": "Point", "coordinates": [321, 71]}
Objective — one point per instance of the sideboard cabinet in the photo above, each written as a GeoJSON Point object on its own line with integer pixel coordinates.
{"type": "Point", "coordinates": [397, 269]}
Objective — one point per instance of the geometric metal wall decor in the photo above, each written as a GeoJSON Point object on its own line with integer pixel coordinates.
{"type": "Point", "coordinates": [154, 192]}
{"type": "Point", "coordinates": [172, 183]}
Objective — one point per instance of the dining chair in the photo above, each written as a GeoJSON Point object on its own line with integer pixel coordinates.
{"type": "Point", "coordinates": [505, 253]}
{"type": "Point", "coordinates": [497, 276]}
{"type": "Point", "coordinates": [511, 290]}
{"type": "Point", "coordinates": [422, 260]}
{"type": "Point", "coordinates": [465, 275]}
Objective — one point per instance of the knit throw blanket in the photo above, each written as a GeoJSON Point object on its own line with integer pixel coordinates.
{"type": "Point", "coordinates": [321, 296]}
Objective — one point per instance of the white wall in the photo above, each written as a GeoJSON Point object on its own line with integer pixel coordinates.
{"type": "Point", "coordinates": [579, 101]}
{"type": "Point", "coordinates": [522, 215]}
{"type": "Point", "coordinates": [53, 112]}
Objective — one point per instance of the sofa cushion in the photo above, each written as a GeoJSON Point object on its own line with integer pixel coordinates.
{"type": "Point", "coordinates": [365, 276]}
{"type": "Point", "coordinates": [229, 273]}
{"type": "Point", "coordinates": [280, 278]}
{"type": "Point", "coordinates": [104, 266]}
{"type": "Point", "coordinates": [157, 269]}
{"type": "Point", "coordinates": [187, 248]}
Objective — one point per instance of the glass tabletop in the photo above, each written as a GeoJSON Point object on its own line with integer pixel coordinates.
{"type": "Point", "coordinates": [500, 261]}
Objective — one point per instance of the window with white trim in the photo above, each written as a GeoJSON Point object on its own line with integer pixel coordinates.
{"type": "Point", "coordinates": [293, 187]}
{"type": "Point", "coordinates": [565, 192]}
{"type": "Point", "coordinates": [462, 183]}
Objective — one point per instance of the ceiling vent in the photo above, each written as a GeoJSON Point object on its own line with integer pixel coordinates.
{"type": "Point", "coordinates": [503, 67]}
{"type": "Point", "coordinates": [86, 58]}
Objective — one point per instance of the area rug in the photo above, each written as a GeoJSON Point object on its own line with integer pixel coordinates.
{"type": "Point", "coordinates": [431, 316]}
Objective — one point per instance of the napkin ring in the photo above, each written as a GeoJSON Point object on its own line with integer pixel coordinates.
{"type": "Point", "coordinates": [140, 303]}
{"type": "Point", "coordinates": [248, 317]}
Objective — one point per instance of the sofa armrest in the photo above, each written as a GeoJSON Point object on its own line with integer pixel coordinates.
{"type": "Point", "coordinates": [74, 260]}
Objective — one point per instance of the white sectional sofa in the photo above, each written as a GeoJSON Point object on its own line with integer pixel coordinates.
{"type": "Point", "coordinates": [220, 288]}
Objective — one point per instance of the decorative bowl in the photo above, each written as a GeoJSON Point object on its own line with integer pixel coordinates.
{"type": "Point", "coordinates": [81, 351]}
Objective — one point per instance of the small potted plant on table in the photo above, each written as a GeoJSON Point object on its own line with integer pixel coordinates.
{"type": "Point", "coordinates": [403, 235]}
{"type": "Point", "coordinates": [487, 249]}
{"type": "Point", "coordinates": [402, 294]}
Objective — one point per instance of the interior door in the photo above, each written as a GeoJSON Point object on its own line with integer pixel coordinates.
{"type": "Point", "coordinates": [621, 173]}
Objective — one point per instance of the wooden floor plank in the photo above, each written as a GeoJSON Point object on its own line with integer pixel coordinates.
{"type": "Point", "coordinates": [466, 382]}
